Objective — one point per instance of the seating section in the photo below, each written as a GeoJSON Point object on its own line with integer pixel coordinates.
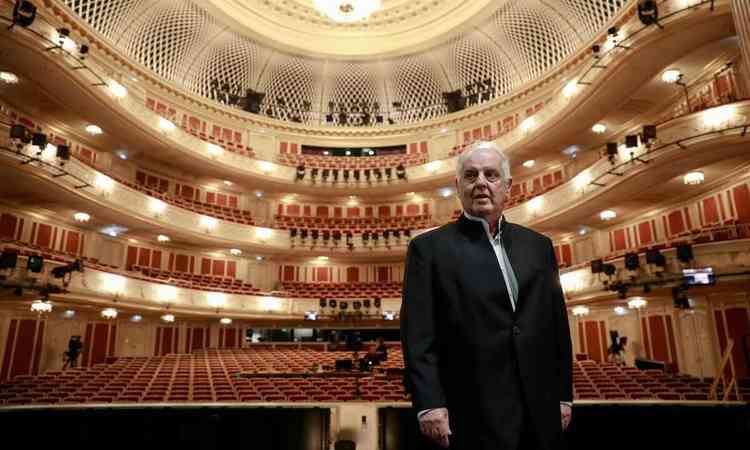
{"type": "Point", "coordinates": [351, 162]}
{"type": "Point", "coordinates": [242, 216]}
{"type": "Point", "coordinates": [193, 281]}
{"type": "Point", "coordinates": [209, 376]}
{"type": "Point", "coordinates": [354, 225]}
{"type": "Point", "coordinates": [26, 249]}
{"type": "Point", "coordinates": [283, 373]}
{"type": "Point", "coordinates": [343, 290]}
{"type": "Point", "coordinates": [608, 381]}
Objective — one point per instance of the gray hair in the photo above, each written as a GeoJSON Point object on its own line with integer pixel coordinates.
{"type": "Point", "coordinates": [484, 146]}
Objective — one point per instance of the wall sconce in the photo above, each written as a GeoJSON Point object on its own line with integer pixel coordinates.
{"type": "Point", "coordinates": [209, 223]}
{"type": "Point", "coordinates": [263, 234]}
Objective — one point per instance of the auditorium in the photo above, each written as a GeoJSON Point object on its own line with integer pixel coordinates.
{"type": "Point", "coordinates": [230, 222]}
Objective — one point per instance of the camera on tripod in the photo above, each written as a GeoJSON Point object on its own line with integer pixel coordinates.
{"type": "Point", "coordinates": [74, 350]}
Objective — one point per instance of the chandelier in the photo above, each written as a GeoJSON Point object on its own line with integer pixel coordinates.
{"type": "Point", "coordinates": [347, 11]}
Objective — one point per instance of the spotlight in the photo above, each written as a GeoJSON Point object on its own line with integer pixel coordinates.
{"type": "Point", "coordinates": [655, 257]}
{"type": "Point", "coordinates": [39, 140]}
{"type": "Point", "coordinates": [21, 133]}
{"type": "Point", "coordinates": [35, 264]}
{"type": "Point", "coordinates": [8, 260]}
{"type": "Point", "coordinates": [61, 271]}
{"type": "Point", "coordinates": [609, 269]}
{"type": "Point", "coordinates": [649, 134]}
{"type": "Point", "coordinates": [631, 261]}
{"type": "Point", "coordinates": [24, 13]}
{"type": "Point", "coordinates": [83, 50]}
{"type": "Point", "coordinates": [685, 253]}
{"type": "Point", "coordinates": [596, 50]}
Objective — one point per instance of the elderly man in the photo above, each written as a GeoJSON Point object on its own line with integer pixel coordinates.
{"type": "Point", "coordinates": [484, 325]}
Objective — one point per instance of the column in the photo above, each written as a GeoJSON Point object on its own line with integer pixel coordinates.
{"type": "Point", "coordinates": [741, 15]}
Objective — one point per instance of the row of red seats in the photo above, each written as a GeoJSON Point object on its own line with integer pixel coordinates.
{"type": "Point", "coordinates": [350, 162]}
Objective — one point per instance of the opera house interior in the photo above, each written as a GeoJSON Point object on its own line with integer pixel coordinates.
{"type": "Point", "coordinates": [206, 207]}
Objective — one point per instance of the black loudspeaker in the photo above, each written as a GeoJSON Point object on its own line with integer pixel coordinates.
{"type": "Point", "coordinates": [366, 303]}
{"type": "Point", "coordinates": [40, 140]}
{"type": "Point", "coordinates": [597, 266]}
{"type": "Point", "coordinates": [343, 305]}
{"type": "Point", "coordinates": [376, 302]}
{"type": "Point", "coordinates": [63, 152]}
{"type": "Point", "coordinates": [253, 101]}
{"type": "Point", "coordinates": [609, 269]}
{"type": "Point", "coordinates": [631, 141]}
{"type": "Point", "coordinates": [649, 132]}
{"type": "Point", "coordinates": [611, 148]}
{"type": "Point", "coordinates": [332, 303]}
{"type": "Point", "coordinates": [685, 253]}
{"type": "Point", "coordinates": [8, 260]}
{"type": "Point", "coordinates": [454, 101]}
{"type": "Point", "coordinates": [323, 303]}
{"type": "Point", "coordinates": [631, 261]}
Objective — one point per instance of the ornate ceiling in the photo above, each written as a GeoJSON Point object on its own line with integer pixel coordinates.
{"type": "Point", "coordinates": [408, 53]}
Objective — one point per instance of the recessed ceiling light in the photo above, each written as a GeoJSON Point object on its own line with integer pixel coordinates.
{"type": "Point", "coordinates": [599, 128]}
{"type": "Point", "coordinates": [259, 258]}
{"type": "Point", "coordinates": [162, 238]}
{"type": "Point", "coordinates": [225, 321]}
{"type": "Point", "coordinates": [671, 76]}
{"type": "Point", "coordinates": [136, 318]}
{"type": "Point", "coordinates": [117, 89]}
{"type": "Point", "coordinates": [81, 217]}
{"type": "Point", "coordinates": [8, 77]}
{"type": "Point", "coordinates": [93, 130]}
{"type": "Point", "coordinates": [227, 182]}
{"type": "Point", "coordinates": [122, 154]}
{"type": "Point", "coordinates": [607, 214]}
{"type": "Point", "coordinates": [694, 177]}
{"type": "Point", "coordinates": [259, 194]}
{"type": "Point", "coordinates": [168, 318]}
{"type": "Point", "coordinates": [529, 164]}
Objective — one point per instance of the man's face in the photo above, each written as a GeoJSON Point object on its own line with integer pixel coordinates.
{"type": "Point", "coordinates": [481, 187]}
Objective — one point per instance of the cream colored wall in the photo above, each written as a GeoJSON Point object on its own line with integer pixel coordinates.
{"type": "Point", "coordinates": [56, 336]}
{"type": "Point", "coordinates": [346, 424]}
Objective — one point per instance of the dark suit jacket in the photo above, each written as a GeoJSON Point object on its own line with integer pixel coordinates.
{"type": "Point", "coordinates": [467, 350]}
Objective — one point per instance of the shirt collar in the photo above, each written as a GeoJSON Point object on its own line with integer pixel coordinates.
{"type": "Point", "coordinates": [486, 226]}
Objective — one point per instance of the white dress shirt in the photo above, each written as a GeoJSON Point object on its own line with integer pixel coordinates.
{"type": "Point", "coordinates": [511, 283]}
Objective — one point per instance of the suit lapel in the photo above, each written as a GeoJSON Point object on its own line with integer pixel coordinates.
{"type": "Point", "coordinates": [518, 256]}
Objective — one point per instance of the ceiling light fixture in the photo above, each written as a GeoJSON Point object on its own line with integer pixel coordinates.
{"type": "Point", "coordinates": [599, 128]}
{"type": "Point", "coordinates": [347, 11]}
{"type": "Point", "coordinates": [225, 321]}
{"type": "Point", "coordinates": [168, 318]}
{"type": "Point", "coordinates": [109, 313]}
{"type": "Point", "coordinates": [235, 251]}
{"type": "Point", "coordinates": [93, 130]}
{"type": "Point", "coordinates": [81, 217]}
{"type": "Point", "coordinates": [694, 177]}
{"type": "Point", "coordinates": [41, 306]}
{"type": "Point", "coordinates": [607, 214]}
{"type": "Point", "coordinates": [162, 238]}
{"type": "Point", "coordinates": [671, 76]}
{"type": "Point", "coordinates": [529, 164]}
{"type": "Point", "coordinates": [8, 77]}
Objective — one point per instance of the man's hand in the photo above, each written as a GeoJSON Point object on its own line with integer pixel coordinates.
{"type": "Point", "coordinates": [566, 413]}
{"type": "Point", "coordinates": [434, 425]}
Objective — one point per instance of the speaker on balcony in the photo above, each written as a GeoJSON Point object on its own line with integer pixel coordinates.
{"type": "Point", "coordinates": [454, 101]}
{"type": "Point", "coordinates": [685, 253]}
